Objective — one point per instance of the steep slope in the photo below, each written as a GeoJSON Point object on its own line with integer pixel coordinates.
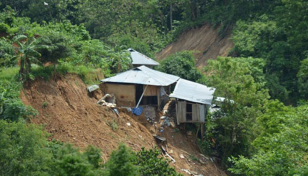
{"type": "Point", "coordinates": [71, 115]}
{"type": "Point", "coordinates": [66, 111]}
{"type": "Point", "coordinates": [204, 40]}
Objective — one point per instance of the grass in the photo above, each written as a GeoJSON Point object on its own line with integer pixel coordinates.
{"type": "Point", "coordinates": [9, 82]}
{"type": "Point", "coordinates": [45, 104]}
{"type": "Point", "coordinates": [113, 124]}
{"type": "Point", "coordinates": [8, 73]}
{"type": "Point", "coordinates": [88, 75]}
{"type": "Point", "coordinates": [193, 157]}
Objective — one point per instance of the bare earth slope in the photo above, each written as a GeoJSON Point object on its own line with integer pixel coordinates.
{"type": "Point", "coordinates": [70, 115]}
{"type": "Point", "coordinates": [204, 40]}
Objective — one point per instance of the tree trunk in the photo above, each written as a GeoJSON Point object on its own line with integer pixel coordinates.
{"type": "Point", "coordinates": [170, 15]}
{"type": "Point", "coordinates": [21, 70]}
{"type": "Point", "coordinates": [28, 67]}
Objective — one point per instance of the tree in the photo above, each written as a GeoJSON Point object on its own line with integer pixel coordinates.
{"type": "Point", "coordinates": [94, 156]}
{"type": "Point", "coordinates": [152, 164]}
{"type": "Point", "coordinates": [244, 100]}
{"type": "Point", "coordinates": [22, 150]}
{"type": "Point", "coordinates": [281, 145]}
{"type": "Point", "coordinates": [265, 39]}
{"type": "Point", "coordinates": [121, 162]}
{"type": "Point", "coordinates": [27, 52]}
{"type": "Point", "coordinates": [57, 46]}
{"type": "Point", "coordinates": [181, 64]}
{"type": "Point", "coordinates": [302, 76]}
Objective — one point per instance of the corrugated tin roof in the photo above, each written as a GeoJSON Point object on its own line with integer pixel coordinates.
{"type": "Point", "coordinates": [143, 75]}
{"type": "Point", "coordinates": [141, 59]}
{"type": "Point", "coordinates": [194, 92]}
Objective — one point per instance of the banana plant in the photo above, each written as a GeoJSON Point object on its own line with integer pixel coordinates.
{"type": "Point", "coordinates": [27, 54]}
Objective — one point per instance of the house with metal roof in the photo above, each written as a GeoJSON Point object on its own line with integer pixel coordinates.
{"type": "Point", "coordinates": [139, 59]}
{"type": "Point", "coordinates": [192, 100]}
{"type": "Point", "coordinates": [139, 85]}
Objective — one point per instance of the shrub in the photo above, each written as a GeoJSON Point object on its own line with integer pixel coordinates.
{"type": "Point", "coordinates": [181, 64]}
{"type": "Point", "coordinates": [121, 162]}
{"type": "Point", "coordinates": [22, 150]}
{"type": "Point", "coordinates": [151, 164]}
{"type": "Point", "coordinates": [4, 27]}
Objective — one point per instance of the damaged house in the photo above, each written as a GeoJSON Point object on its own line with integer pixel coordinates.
{"type": "Point", "coordinates": [140, 85]}
{"type": "Point", "coordinates": [192, 101]}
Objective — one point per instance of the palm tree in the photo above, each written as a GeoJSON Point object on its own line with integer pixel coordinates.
{"type": "Point", "coordinates": [27, 54]}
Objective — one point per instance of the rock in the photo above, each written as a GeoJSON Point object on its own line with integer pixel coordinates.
{"type": "Point", "coordinates": [182, 156]}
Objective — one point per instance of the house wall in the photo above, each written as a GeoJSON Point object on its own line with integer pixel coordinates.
{"type": "Point", "coordinates": [198, 112]}
{"type": "Point", "coordinates": [151, 91]}
{"type": "Point", "coordinates": [125, 94]}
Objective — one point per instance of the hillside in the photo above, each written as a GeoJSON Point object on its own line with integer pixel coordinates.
{"type": "Point", "coordinates": [70, 115]}
{"type": "Point", "coordinates": [204, 40]}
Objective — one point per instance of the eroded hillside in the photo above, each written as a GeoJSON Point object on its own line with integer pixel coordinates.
{"type": "Point", "coordinates": [71, 115]}
{"type": "Point", "coordinates": [204, 40]}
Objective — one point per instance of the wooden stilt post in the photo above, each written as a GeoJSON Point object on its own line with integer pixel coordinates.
{"type": "Point", "coordinates": [198, 129]}
{"type": "Point", "coordinates": [202, 131]}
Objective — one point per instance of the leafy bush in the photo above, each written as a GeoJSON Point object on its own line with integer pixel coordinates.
{"type": "Point", "coordinates": [11, 106]}
{"type": "Point", "coordinates": [22, 150]}
{"type": "Point", "coordinates": [69, 161]}
{"type": "Point", "coordinates": [281, 143]}
{"type": "Point", "coordinates": [151, 163]}
{"type": "Point", "coordinates": [7, 53]}
{"type": "Point", "coordinates": [4, 27]}
{"type": "Point", "coordinates": [94, 156]}
{"type": "Point", "coordinates": [233, 131]}
{"type": "Point", "coordinates": [121, 162]}
{"type": "Point", "coordinates": [181, 64]}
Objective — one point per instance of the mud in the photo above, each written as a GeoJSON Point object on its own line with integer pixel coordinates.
{"type": "Point", "coordinates": [204, 41]}
{"type": "Point", "coordinates": [69, 114]}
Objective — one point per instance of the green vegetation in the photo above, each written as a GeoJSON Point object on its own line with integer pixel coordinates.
{"type": "Point", "coordinates": [11, 107]}
{"type": "Point", "coordinates": [281, 143]}
{"type": "Point", "coordinates": [181, 64]}
{"type": "Point", "coordinates": [113, 125]}
{"type": "Point", "coordinates": [151, 163]}
{"type": "Point", "coordinates": [45, 104]}
{"type": "Point", "coordinates": [231, 127]}
{"type": "Point", "coordinates": [25, 150]}
{"type": "Point", "coordinates": [121, 162]}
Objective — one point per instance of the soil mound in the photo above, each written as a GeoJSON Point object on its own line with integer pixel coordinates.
{"type": "Point", "coordinates": [70, 114]}
{"type": "Point", "coordinates": [204, 40]}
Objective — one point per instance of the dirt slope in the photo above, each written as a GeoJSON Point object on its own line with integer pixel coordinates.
{"type": "Point", "coordinates": [70, 115]}
{"type": "Point", "coordinates": [204, 40]}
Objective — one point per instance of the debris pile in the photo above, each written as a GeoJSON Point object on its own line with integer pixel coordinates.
{"type": "Point", "coordinates": [108, 100]}
{"type": "Point", "coordinates": [149, 114]}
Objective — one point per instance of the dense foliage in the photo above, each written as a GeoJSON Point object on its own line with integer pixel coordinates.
{"type": "Point", "coordinates": [26, 151]}
{"type": "Point", "coordinates": [279, 38]}
{"type": "Point", "coordinates": [281, 143]}
{"type": "Point", "coordinates": [181, 64]}
{"type": "Point", "coordinates": [151, 163]}
{"type": "Point", "coordinates": [230, 128]}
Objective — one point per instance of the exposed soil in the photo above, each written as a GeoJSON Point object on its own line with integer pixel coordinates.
{"type": "Point", "coordinates": [71, 115]}
{"type": "Point", "coordinates": [204, 40]}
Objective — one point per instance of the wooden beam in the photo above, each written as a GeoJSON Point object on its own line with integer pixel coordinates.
{"type": "Point", "coordinates": [202, 131]}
